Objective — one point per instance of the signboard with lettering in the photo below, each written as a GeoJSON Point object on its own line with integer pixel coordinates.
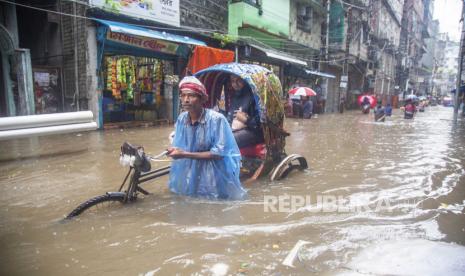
{"type": "Point", "coordinates": [144, 42]}
{"type": "Point", "coordinates": [163, 11]}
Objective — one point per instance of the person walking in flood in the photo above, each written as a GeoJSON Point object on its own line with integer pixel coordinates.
{"type": "Point", "coordinates": [409, 109]}
{"type": "Point", "coordinates": [206, 156]}
{"type": "Point", "coordinates": [380, 114]}
{"type": "Point", "coordinates": [307, 107]}
{"type": "Point", "coordinates": [388, 110]}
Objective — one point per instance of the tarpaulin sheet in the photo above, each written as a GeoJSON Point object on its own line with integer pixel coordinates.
{"type": "Point", "coordinates": [214, 178]}
{"type": "Point", "coordinates": [204, 57]}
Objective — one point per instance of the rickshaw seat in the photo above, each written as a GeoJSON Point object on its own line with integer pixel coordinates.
{"type": "Point", "coordinates": [256, 151]}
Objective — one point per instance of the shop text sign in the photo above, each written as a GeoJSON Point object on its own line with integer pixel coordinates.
{"type": "Point", "coordinates": [143, 42]}
{"type": "Point", "coordinates": [163, 11]}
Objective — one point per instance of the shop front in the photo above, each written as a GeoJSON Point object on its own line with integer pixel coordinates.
{"type": "Point", "coordinates": [252, 55]}
{"type": "Point", "coordinates": [272, 59]}
{"type": "Point", "coordinates": [298, 76]}
{"type": "Point", "coordinates": [138, 73]}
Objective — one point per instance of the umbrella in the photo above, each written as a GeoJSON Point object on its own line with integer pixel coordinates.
{"type": "Point", "coordinates": [411, 97]}
{"type": "Point", "coordinates": [302, 91]}
{"type": "Point", "coordinates": [371, 99]}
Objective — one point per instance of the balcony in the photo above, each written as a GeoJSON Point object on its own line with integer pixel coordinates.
{"type": "Point", "coordinates": [270, 18]}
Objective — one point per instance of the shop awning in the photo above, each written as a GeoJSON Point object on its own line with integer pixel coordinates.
{"type": "Point", "coordinates": [278, 55]}
{"type": "Point", "coordinates": [321, 74]}
{"type": "Point", "coordinates": [285, 58]}
{"type": "Point", "coordinates": [123, 28]}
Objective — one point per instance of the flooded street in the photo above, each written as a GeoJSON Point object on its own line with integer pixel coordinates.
{"type": "Point", "coordinates": [413, 169]}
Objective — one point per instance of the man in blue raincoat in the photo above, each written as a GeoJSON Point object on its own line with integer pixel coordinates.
{"type": "Point", "coordinates": [206, 157]}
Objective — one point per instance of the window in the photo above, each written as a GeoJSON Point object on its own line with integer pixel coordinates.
{"type": "Point", "coordinates": [304, 18]}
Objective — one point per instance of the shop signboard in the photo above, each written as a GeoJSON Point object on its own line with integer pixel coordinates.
{"type": "Point", "coordinates": [144, 42]}
{"type": "Point", "coordinates": [163, 11]}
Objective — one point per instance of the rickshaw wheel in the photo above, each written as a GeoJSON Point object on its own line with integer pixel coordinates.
{"type": "Point", "coordinates": [288, 164]}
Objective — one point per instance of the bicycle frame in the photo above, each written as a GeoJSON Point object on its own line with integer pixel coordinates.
{"type": "Point", "coordinates": [137, 178]}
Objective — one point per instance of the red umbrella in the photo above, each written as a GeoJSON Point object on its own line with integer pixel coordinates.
{"type": "Point", "coordinates": [371, 99]}
{"type": "Point", "coordinates": [302, 91]}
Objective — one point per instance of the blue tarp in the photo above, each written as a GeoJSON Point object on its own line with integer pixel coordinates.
{"type": "Point", "coordinates": [217, 178]}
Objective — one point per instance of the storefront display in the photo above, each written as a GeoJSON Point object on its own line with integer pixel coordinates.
{"type": "Point", "coordinates": [138, 71]}
{"type": "Point", "coordinates": [135, 88]}
{"type": "Point", "coordinates": [47, 92]}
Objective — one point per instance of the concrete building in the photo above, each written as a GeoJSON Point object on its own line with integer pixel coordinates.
{"type": "Point", "coordinates": [347, 58]}
{"type": "Point", "coordinates": [62, 53]}
{"type": "Point", "coordinates": [385, 26]}
{"type": "Point", "coordinates": [49, 63]}
{"type": "Point", "coordinates": [426, 64]}
{"type": "Point", "coordinates": [209, 15]}
{"type": "Point", "coordinates": [285, 36]}
{"type": "Point", "coordinates": [447, 68]}
{"type": "Point", "coordinates": [429, 61]}
{"type": "Point", "coordinates": [31, 60]}
{"type": "Point", "coordinates": [412, 46]}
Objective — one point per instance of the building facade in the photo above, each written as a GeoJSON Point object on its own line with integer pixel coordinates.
{"type": "Point", "coordinates": [447, 60]}
{"type": "Point", "coordinates": [340, 48]}
{"type": "Point", "coordinates": [385, 25]}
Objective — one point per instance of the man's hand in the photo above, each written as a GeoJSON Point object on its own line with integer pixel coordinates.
{"type": "Point", "coordinates": [241, 116]}
{"type": "Point", "coordinates": [176, 153]}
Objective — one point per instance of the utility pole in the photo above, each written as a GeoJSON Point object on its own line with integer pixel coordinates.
{"type": "Point", "coordinates": [459, 74]}
{"type": "Point", "coordinates": [76, 68]}
{"type": "Point", "coordinates": [345, 66]}
{"type": "Point", "coordinates": [328, 6]}
{"type": "Point", "coordinates": [325, 90]}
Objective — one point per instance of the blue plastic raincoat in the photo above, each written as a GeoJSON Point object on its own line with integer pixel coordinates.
{"type": "Point", "coordinates": [206, 178]}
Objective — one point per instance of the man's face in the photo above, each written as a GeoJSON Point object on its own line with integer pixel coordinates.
{"type": "Point", "coordinates": [190, 100]}
{"type": "Point", "coordinates": [236, 83]}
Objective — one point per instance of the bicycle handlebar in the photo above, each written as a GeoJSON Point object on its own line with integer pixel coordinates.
{"type": "Point", "coordinates": [156, 157]}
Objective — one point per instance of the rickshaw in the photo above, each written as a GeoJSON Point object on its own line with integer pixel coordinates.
{"type": "Point", "coordinates": [267, 158]}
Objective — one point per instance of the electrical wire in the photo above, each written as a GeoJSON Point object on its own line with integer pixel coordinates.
{"type": "Point", "coordinates": [184, 28]}
{"type": "Point", "coordinates": [193, 29]}
{"type": "Point", "coordinates": [163, 28]}
{"type": "Point", "coordinates": [352, 5]}
{"type": "Point", "coordinates": [91, 18]}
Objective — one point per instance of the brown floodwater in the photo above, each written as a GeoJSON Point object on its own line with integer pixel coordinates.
{"type": "Point", "coordinates": [402, 181]}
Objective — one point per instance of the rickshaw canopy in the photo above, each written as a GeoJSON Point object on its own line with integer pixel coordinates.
{"type": "Point", "coordinates": [263, 83]}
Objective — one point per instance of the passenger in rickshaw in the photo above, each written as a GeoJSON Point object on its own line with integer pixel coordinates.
{"type": "Point", "coordinates": [242, 114]}
{"type": "Point", "coordinates": [255, 97]}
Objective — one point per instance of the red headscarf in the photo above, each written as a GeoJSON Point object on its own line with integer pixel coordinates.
{"type": "Point", "coordinates": [193, 84]}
